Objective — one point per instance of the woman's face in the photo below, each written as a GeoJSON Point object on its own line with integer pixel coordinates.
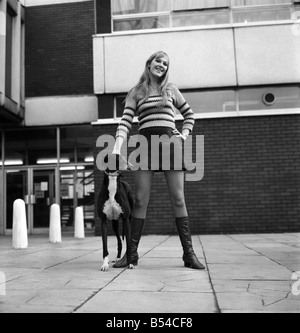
{"type": "Point", "coordinates": [159, 67]}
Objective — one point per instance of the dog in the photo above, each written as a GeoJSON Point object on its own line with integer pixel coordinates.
{"type": "Point", "coordinates": [115, 202]}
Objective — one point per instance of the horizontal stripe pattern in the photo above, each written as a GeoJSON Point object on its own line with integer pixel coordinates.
{"type": "Point", "coordinates": [151, 114]}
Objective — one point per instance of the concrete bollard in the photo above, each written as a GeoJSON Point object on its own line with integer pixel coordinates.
{"type": "Point", "coordinates": [79, 223]}
{"type": "Point", "coordinates": [19, 237]}
{"type": "Point", "coordinates": [55, 224]}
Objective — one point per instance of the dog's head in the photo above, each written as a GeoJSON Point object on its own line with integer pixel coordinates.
{"type": "Point", "coordinates": [113, 163]}
{"type": "Point", "coordinates": [112, 171]}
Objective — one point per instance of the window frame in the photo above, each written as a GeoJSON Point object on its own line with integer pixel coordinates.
{"type": "Point", "coordinates": [232, 10]}
{"type": "Point", "coordinates": [267, 111]}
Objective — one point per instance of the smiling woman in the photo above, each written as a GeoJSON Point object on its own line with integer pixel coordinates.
{"type": "Point", "coordinates": [153, 99]}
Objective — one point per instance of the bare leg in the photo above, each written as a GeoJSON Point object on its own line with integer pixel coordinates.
{"type": "Point", "coordinates": [175, 181]}
{"type": "Point", "coordinates": [143, 180]}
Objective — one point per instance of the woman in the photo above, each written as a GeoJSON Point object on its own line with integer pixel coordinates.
{"type": "Point", "coordinates": [153, 100]}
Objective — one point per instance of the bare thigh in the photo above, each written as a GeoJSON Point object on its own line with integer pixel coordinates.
{"type": "Point", "coordinates": [143, 181]}
{"type": "Point", "coordinates": [175, 181]}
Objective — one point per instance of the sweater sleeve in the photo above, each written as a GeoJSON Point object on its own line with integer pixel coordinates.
{"type": "Point", "coordinates": [125, 124]}
{"type": "Point", "coordinates": [184, 108]}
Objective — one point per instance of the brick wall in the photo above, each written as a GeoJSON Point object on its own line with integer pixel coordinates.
{"type": "Point", "coordinates": [251, 181]}
{"type": "Point", "coordinates": [58, 53]}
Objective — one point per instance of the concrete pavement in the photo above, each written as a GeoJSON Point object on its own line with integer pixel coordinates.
{"type": "Point", "coordinates": [246, 273]}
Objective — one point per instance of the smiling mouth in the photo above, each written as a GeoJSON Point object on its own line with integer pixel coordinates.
{"type": "Point", "coordinates": [159, 69]}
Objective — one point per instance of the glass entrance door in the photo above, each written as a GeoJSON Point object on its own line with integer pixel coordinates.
{"type": "Point", "coordinates": [16, 188]}
{"type": "Point", "coordinates": [38, 189]}
{"type": "Point", "coordinates": [43, 196]}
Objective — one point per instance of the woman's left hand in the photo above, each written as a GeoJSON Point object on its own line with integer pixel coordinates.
{"type": "Point", "coordinates": [183, 136]}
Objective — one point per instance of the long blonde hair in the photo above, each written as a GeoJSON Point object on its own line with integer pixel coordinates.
{"type": "Point", "coordinates": [142, 88]}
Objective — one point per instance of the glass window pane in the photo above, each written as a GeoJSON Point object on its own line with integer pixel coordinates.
{"type": "Point", "coordinates": [261, 15]}
{"type": "Point", "coordinates": [16, 188]}
{"type": "Point", "coordinates": [77, 190]}
{"type": "Point", "coordinates": [142, 23]}
{"type": "Point", "coordinates": [31, 147]}
{"type": "Point", "coordinates": [120, 104]}
{"type": "Point", "coordinates": [9, 51]}
{"type": "Point", "coordinates": [256, 99]}
{"type": "Point", "coordinates": [200, 18]}
{"type": "Point", "coordinates": [211, 101]}
{"type": "Point", "coordinates": [125, 7]}
{"type": "Point", "coordinates": [44, 194]}
{"type": "Point", "coordinates": [199, 4]}
{"type": "Point", "coordinates": [76, 143]}
{"type": "Point", "coordinates": [86, 193]}
{"type": "Point", "coordinates": [260, 2]}
{"type": "Point", "coordinates": [262, 10]}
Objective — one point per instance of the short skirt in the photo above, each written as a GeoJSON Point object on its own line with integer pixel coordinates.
{"type": "Point", "coordinates": [159, 150]}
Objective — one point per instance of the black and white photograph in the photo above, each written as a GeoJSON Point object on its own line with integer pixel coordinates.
{"type": "Point", "coordinates": [149, 159]}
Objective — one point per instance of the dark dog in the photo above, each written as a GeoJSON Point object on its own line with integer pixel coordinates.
{"type": "Point", "coordinates": [115, 202]}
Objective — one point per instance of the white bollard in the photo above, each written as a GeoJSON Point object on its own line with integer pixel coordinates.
{"type": "Point", "coordinates": [79, 223]}
{"type": "Point", "coordinates": [20, 237]}
{"type": "Point", "coordinates": [55, 224]}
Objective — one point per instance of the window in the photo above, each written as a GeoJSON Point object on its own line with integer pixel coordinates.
{"type": "Point", "coordinates": [192, 12]}
{"type": "Point", "coordinates": [76, 143]}
{"type": "Point", "coordinates": [269, 98]}
{"type": "Point", "coordinates": [261, 10]}
{"type": "Point", "coordinates": [10, 16]}
{"type": "Point", "coordinates": [156, 14]}
{"type": "Point", "coordinates": [120, 103]}
{"type": "Point", "coordinates": [140, 14]}
{"type": "Point", "coordinates": [212, 101]}
{"type": "Point", "coordinates": [30, 147]}
{"type": "Point", "coordinates": [13, 56]}
{"type": "Point", "coordinates": [22, 76]}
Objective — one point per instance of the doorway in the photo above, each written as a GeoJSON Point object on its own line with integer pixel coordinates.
{"type": "Point", "coordinates": [37, 187]}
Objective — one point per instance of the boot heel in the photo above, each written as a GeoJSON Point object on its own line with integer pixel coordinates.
{"type": "Point", "coordinates": [189, 258]}
{"type": "Point", "coordinates": [195, 264]}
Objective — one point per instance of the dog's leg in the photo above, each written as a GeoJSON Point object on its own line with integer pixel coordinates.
{"type": "Point", "coordinates": [105, 266]}
{"type": "Point", "coordinates": [115, 225]}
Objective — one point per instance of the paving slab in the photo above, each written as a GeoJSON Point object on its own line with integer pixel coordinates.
{"type": "Point", "coordinates": [245, 273]}
{"type": "Point", "coordinates": [150, 302]}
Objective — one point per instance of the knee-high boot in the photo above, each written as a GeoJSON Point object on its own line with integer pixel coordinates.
{"type": "Point", "coordinates": [136, 234]}
{"type": "Point", "coordinates": [189, 257]}
{"type": "Point", "coordinates": [132, 258]}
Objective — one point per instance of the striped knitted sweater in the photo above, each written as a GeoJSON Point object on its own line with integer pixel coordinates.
{"type": "Point", "coordinates": [150, 114]}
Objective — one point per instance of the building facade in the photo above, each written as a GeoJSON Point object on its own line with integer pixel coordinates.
{"type": "Point", "coordinates": [237, 64]}
{"type": "Point", "coordinates": [67, 65]}
{"type": "Point", "coordinates": [47, 107]}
